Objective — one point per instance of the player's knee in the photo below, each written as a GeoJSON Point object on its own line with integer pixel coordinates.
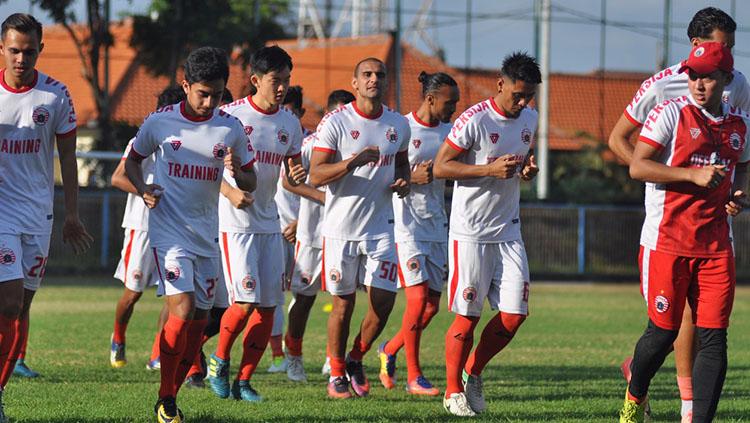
{"type": "Point", "coordinates": [660, 338]}
{"type": "Point", "coordinates": [431, 309]}
{"type": "Point", "coordinates": [712, 340]}
{"type": "Point", "coordinates": [511, 322]}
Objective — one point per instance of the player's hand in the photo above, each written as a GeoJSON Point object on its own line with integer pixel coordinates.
{"type": "Point", "coordinates": [504, 167]}
{"type": "Point", "coordinates": [368, 155]}
{"type": "Point", "coordinates": [530, 170]}
{"type": "Point", "coordinates": [421, 174]}
{"type": "Point", "coordinates": [232, 162]}
{"type": "Point", "coordinates": [400, 187]}
{"type": "Point", "coordinates": [151, 195]}
{"type": "Point", "coordinates": [75, 234]}
{"type": "Point", "coordinates": [240, 199]}
{"type": "Point", "coordinates": [290, 232]}
{"type": "Point", "coordinates": [709, 176]}
{"type": "Point", "coordinates": [737, 203]}
{"type": "Point", "coordinates": [296, 172]}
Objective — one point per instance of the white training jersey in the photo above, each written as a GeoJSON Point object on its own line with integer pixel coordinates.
{"type": "Point", "coordinates": [359, 206]}
{"type": "Point", "coordinates": [670, 83]}
{"type": "Point", "coordinates": [487, 209]}
{"type": "Point", "coordinates": [275, 137]}
{"type": "Point", "coordinates": [420, 216]}
{"type": "Point", "coordinates": [189, 165]}
{"type": "Point", "coordinates": [310, 212]}
{"type": "Point", "coordinates": [31, 118]}
{"type": "Point", "coordinates": [136, 212]}
{"type": "Point", "coordinates": [287, 202]}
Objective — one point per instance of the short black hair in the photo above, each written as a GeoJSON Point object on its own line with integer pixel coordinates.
{"type": "Point", "coordinates": [23, 23]}
{"type": "Point", "coordinates": [294, 96]}
{"type": "Point", "coordinates": [431, 82]}
{"type": "Point", "coordinates": [206, 64]}
{"type": "Point", "coordinates": [171, 95]}
{"type": "Point", "coordinates": [709, 19]}
{"type": "Point", "coordinates": [227, 96]}
{"type": "Point", "coordinates": [368, 59]}
{"type": "Point", "coordinates": [519, 66]}
{"type": "Point", "coordinates": [339, 97]}
{"type": "Point", "coordinates": [268, 59]}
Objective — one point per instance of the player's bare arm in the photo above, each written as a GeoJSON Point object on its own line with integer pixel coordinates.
{"type": "Point", "coordinates": [619, 139]}
{"type": "Point", "coordinates": [151, 193]}
{"type": "Point", "coordinates": [738, 200]}
{"type": "Point", "coordinates": [120, 180]}
{"type": "Point", "coordinates": [305, 190]}
{"type": "Point", "coordinates": [323, 172]}
{"type": "Point", "coordinates": [74, 233]}
{"type": "Point", "coordinates": [295, 172]}
{"type": "Point", "coordinates": [290, 232]}
{"type": "Point", "coordinates": [644, 168]}
{"type": "Point", "coordinates": [530, 168]}
{"type": "Point", "coordinates": [239, 198]}
{"type": "Point", "coordinates": [402, 174]}
{"type": "Point", "coordinates": [448, 166]}
{"type": "Point", "coordinates": [421, 174]}
{"type": "Point", "coordinates": [246, 179]}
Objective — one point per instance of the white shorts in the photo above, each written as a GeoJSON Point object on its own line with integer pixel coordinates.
{"type": "Point", "coordinates": [253, 267]}
{"type": "Point", "coordinates": [23, 256]}
{"type": "Point", "coordinates": [308, 266]}
{"type": "Point", "coordinates": [421, 261]}
{"type": "Point", "coordinates": [181, 271]}
{"type": "Point", "coordinates": [348, 263]}
{"type": "Point", "coordinates": [497, 271]}
{"type": "Point", "coordinates": [221, 295]}
{"type": "Point", "coordinates": [288, 263]}
{"type": "Point", "coordinates": [137, 268]}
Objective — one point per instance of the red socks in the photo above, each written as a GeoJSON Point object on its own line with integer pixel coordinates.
{"type": "Point", "coordinates": [293, 345]}
{"type": "Point", "coordinates": [8, 328]}
{"type": "Point", "coordinates": [277, 350]}
{"type": "Point", "coordinates": [458, 342]}
{"type": "Point", "coordinates": [192, 346]}
{"type": "Point", "coordinates": [495, 336]}
{"type": "Point", "coordinates": [171, 347]}
{"type": "Point", "coordinates": [118, 335]}
{"type": "Point", "coordinates": [155, 347]}
{"type": "Point", "coordinates": [359, 349]}
{"type": "Point", "coordinates": [24, 327]}
{"type": "Point", "coordinates": [232, 324]}
{"type": "Point", "coordinates": [256, 339]}
{"type": "Point", "coordinates": [338, 366]}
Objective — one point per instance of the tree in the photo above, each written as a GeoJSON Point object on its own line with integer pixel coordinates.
{"type": "Point", "coordinates": [165, 36]}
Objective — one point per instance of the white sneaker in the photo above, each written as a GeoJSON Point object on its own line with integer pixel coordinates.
{"type": "Point", "coordinates": [278, 365]}
{"type": "Point", "coordinates": [474, 392]}
{"type": "Point", "coordinates": [326, 370]}
{"type": "Point", "coordinates": [457, 405]}
{"type": "Point", "coordinates": [295, 370]}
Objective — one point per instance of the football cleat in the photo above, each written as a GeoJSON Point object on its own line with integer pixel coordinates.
{"type": "Point", "coordinates": [154, 364]}
{"type": "Point", "coordinates": [195, 381]}
{"type": "Point", "coordinates": [241, 390]}
{"type": "Point", "coordinates": [457, 405]}
{"type": "Point", "coordinates": [339, 388]}
{"type": "Point", "coordinates": [356, 373]}
{"type": "Point", "coordinates": [117, 354]}
{"type": "Point", "coordinates": [326, 369]}
{"type": "Point", "coordinates": [278, 364]}
{"type": "Point", "coordinates": [218, 376]}
{"type": "Point", "coordinates": [632, 412]}
{"type": "Point", "coordinates": [421, 386]}
{"type": "Point", "coordinates": [167, 412]}
{"type": "Point", "coordinates": [474, 390]}
{"type": "Point", "coordinates": [387, 373]}
{"type": "Point", "coordinates": [295, 371]}
{"type": "Point", "coordinates": [22, 370]}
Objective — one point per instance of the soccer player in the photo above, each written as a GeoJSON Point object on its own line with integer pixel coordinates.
{"type": "Point", "coordinates": [361, 154]}
{"type": "Point", "coordinates": [193, 141]}
{"type": "Point", "coordinates": [250, 238]}
{"type": "Point", "coordinates": [37, 111]}
{"type": "Point", "coordinates": [137, 268]}
{"type": "Point", "coordinates": [308, 260]}
{"type": "Point", "coordinates": [708, 24]}
{"type": "Point", "coordinates": [488, 152]}
{"type": "Point", "coordinates": [421, 232]}
{"type": "Point", "coordinates": [692, 153]}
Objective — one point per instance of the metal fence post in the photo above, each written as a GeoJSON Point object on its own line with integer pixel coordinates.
{"type": "Point", "coordinates": [104, 250]}
{"type": "Point", "coordinates": [581, 240]}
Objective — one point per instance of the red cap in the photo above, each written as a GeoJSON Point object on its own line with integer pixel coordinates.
{"type": "Point", "coordinates": [708, 57]}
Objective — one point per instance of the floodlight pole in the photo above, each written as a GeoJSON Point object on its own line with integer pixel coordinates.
{"type": "Point", "coordinates": [397, 52]}
{"type": "Point", "coordinates": [542, 181]}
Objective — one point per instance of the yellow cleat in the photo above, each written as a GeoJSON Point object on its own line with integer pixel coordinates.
{"type": "Point", "coordinates": [117, 354]}
{"type": "Point", "coordinates": [163, 415]}
{"type": "Point", "coordinates": [632, 412]}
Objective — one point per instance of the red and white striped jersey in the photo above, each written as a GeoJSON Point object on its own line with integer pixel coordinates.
{"type": "Point", "coordinates": [682, 218]}
{"type": "Point", "coordinates": [31, 119]}
{"type": "Point", "coordinates": [136, 212]}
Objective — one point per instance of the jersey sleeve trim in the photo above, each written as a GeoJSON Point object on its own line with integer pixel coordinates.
{"type": "Point", "coordinates": [631, 118]}
{"type": "Point", "coordinates": [650, 142]}
{"type": "Point", "coordinates": [454, 146]}
{"type": "Point", "coordinates": [247, 166]}
{"type": "Point", "coordinates": [325, 150]}
{"type": "Point", "coordinates": [138, 157]}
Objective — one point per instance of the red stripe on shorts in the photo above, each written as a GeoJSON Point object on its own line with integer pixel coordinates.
{"type": "Point", "coordinates": [127, 255]}
{"type": "Point", "coordinates": [158, 269]}
{"type": "Point", "coordinates": [323, 273]}
{"type": "Point", "coordinates": [226, 260]}
{"type": "Point", "coordinates": [454, 279]}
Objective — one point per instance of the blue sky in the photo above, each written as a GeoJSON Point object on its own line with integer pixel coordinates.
{"type": "Point", "coordinates": [574, 46]}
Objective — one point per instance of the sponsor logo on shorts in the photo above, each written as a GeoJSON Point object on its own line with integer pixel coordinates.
{"type": "Point", "coordinates": [699, 52]}
{"type": "Point", "coordinates": [40, 116]}
{"type": "Point", "coordinates": [334, 275]}
{"type": "Point", "coordinates": [391, 135]}
{"type": "Point", "coordinates": [735, 140]}
{"type": "Point", "coordinates": [220, 150]}
{"type": "Point", "coordinates": [470, 294]}
{"type": "Point", "coordinates": [305, 278]}
{"type": "Point", "coordinates": [661, 303]}
{"type": "Point", "coordinates": [526, 292]}
{"type": "Point", "coordinates": [7, 256]}
{"type": "Point", "coordinates": [137, 274]}
{"type": "Point", "coordinates": [248, 282]}
{"type": "Point", "coordinates": [173, 273]}
{"type": "Point", "coordinates": [283, 136]}
{"type": "Point", "coordinates": [412, 264]}
{"type": "Point", "coordinates": [494, 137]}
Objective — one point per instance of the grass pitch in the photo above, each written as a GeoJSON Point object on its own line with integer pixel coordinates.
{"type": "Point", "coordinates": [563, 365]}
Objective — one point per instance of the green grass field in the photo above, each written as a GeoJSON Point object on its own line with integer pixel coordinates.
{"type": "Point", "coordinates": [563, 366]}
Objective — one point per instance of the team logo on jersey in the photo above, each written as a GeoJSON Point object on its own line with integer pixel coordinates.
{"type": "Point", "coordinates": [494, 137]}
{"type": "Point", "coordinates": [173, 273]}
{"type": "Point", "coordinates": [526, 136]}
{"type": "Point", "coordinates": [412, 264]}
{"type": "Point", "coordinates": [699, 52]}
{"type": "Point", "coordinates": [40, 116]}
{"type": "Point", "coordinates": [220, 150]}
{"type": "Point", "coordinates": [470, 294]}
{"type": "Point", "coordinates": [305, 278]}
{"type": "Point", "coordinates": [334, 275]}
{"type": "Point", "coordinates": [7, 256]}
{"type": "Point", "coordinates": [248, 130]}
{"type": "Point", "coordinates": [283, 136]}
{"type": "Point", "coordinates": [248, 282]}
{"type": "Point", "coordinates": [416, 143]}
{"type": "Point", "coordinates": [137, 274]}
{"type": "Point", "coordinates": [176, 144]}
{"type": "Point", "coordinates": [391, 135]}
{"type": "Point", "coordinates": [355, 133]}
{"type": "Point", "coordinates": [661, 303]}
{"type": "Point", "coordinates": [735, 140]}
{"type": "Point", "coordinates": [695, 133]}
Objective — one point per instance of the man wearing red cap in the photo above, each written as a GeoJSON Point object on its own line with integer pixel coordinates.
{"type": "Point", "coordinates": [692, 153]}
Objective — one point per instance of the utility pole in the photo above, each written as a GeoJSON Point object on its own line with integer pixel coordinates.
{"type": "Point", "coordinates": [397, 52]}
{"type": "Point", "coordinates": [542, 180]}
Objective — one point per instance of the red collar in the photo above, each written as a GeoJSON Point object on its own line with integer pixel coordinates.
{"type": "Point", "coordinates": [497, 108]}
{"type": "Point", "coordinates": [191, 118]}
{"type": "Point", "coordinates": [258, 109]}
{"type": "Point", "coordinates": [365, 115]}
{"type": "Point", "coordinates": [18, 90]}
{"type": "Point", "coordinates": [423, 123]}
